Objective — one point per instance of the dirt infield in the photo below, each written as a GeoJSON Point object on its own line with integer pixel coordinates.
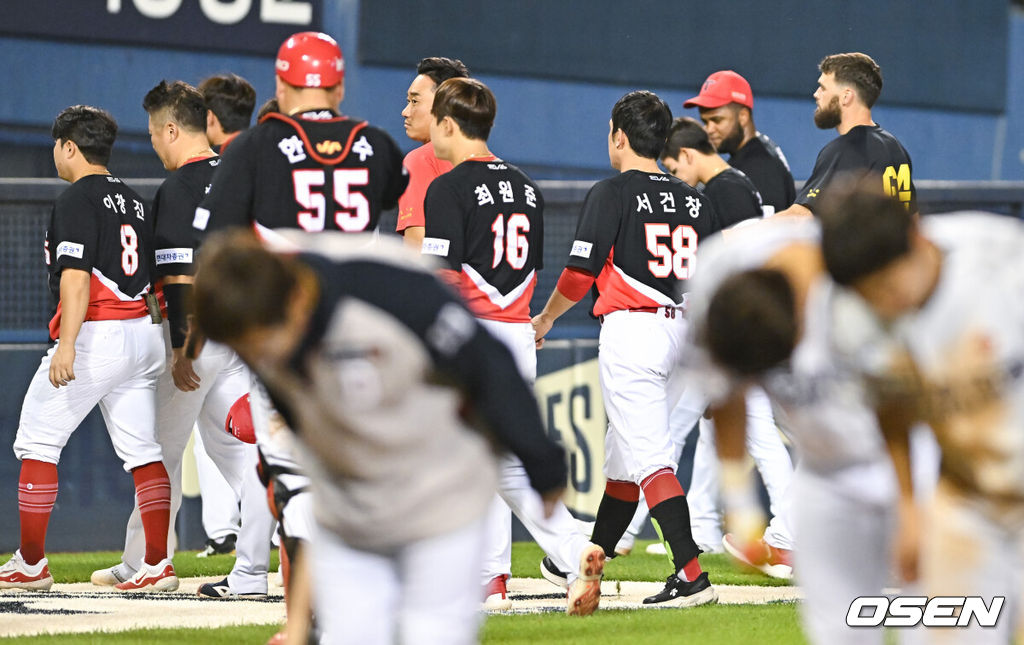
{"type": "Point", "coordinates": [82, 607]}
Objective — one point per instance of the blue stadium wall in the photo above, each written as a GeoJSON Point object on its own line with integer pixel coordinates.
{"type": "Point", "coordinates": [954, 72]}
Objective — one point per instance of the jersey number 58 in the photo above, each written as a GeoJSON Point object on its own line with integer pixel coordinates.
{"type": "Point", "coordinates": [678, 257]}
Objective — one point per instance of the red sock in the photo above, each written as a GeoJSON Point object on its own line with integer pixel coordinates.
{"type": "Point", "coordinates": [286, 574]}
{"type": "Point", "coordinates": [37, 491]}
{"type": "Point", "coordinates": [153, 491]}
{"type": "Point", "coordinates": [659, 486]}
{"type": "Point", "coordinates": [691, 570]}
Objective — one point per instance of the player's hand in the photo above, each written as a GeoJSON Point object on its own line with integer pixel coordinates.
{"type": "Point", "coordinates": [62, 364]}
{"type": "Point", "coordinates": [185, 378]}
{"type": "Point", "coordinates": [908, 540]}
{"type": "Point", "coordinates": [541, 326]}
{"type": "Point", "coordinates": [551, 500]}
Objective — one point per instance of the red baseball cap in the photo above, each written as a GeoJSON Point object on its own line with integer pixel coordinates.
{"type": "Point", "coordinates": [721, 88]}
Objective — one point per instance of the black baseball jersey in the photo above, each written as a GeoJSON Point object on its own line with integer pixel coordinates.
{"type": "Point", "coordinates": [733, 197]}
{"type": "Point", "coordinates": [174, 208]}
{"type": "Point", "coordinates": [638, 233]}
{"type": "Point", "coordinates": [315, 171]}
{"type": "Point", "coordinates": [486, 219]}
{"type": "Point", "coordinates": [864, 149]}
{"type": "Point", "coordinates": [101, 226]}
{"type": "Point", "coordinates": [762, 161]}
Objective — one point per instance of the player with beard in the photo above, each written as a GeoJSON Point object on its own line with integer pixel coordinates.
{"type": "Point", "coordinates": [727, 109]}
{"type": "Point", "coordinates": [848, 87]}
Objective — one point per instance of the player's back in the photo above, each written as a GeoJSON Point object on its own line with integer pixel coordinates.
{"type": "Point", "coordinates": [173, 211]}
{"type": "Point", "coordinates": [639, 233]}
{"type": "Point", "coordinates": [486, 219]}
{"type": "Point", "coordinates": [101, 226]}
{"type": "Point", "coordinates": [314, 171]}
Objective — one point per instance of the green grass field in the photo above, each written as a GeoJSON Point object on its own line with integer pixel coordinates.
{"type": "Point", "coordinates": [709, 625]}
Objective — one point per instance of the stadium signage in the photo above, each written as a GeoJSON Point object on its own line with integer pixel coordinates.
{"type": "Point", "coordinates": [241, 26]}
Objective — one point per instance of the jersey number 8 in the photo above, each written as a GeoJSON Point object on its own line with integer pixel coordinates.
{"type": "Point", "coordinates": [350, 221]}
{"type": "Point", "coordinates": [129, 250]}
{"type": "Point", "coordinates": [680, 259]}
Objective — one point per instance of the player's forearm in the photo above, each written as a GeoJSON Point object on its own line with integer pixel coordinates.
{"type": "Point", "coordinates": [178, 296]}
{"type": "Point", "coordinates": [413, 236]}
{"type": "Point", "coordinates": [572, 286]}
{"type": "Point", "coordinates": [74, 302]}
{"type": "Point", "coordinates": [896, 432]}
{"type": "Point", "coordinates": [797, 209]}
{"type": "Point", "coordinates": [730, 418]}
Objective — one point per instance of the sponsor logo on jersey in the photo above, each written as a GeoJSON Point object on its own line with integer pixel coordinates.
{"type": "Point", "coordinates": [581, 249]}
{"type": "Point", "coordinates": [909, 611]}
{"type": "Point", "coordinates": [435, 246]}
{"type": "Point", "coordinates": [70, 249]}
{"type": "Point", "coordinates": [659, 178]}
{"type": "Point", "coordinates": [328, 147]}
{"type": "Point", "coordinates": [318, 115]}
{"type": "Point", "coordinates": [174, 256]}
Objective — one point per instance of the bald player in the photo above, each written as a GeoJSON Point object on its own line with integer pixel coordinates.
{"type": "Point", "coordinates": [422, 164]}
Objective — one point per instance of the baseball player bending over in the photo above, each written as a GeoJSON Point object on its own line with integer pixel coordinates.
{"type": "Point", "coordinates": [374, 363]}
{"type": "Point", "coordinates": [108, 351]}
{"type": "Point", "coordinates": [637, 237]}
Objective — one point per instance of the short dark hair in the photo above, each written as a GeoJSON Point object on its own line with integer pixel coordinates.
{"type": "Point", "coordinates": [231, 98]}
{"type": "Point", "coordinates": [687, 132]}
{"type": "Point", "coordinates": [267, 108]}
{"type": "Point", "coordinates": [645, 119]}
{"type": "Point", "coordinates": [184, 104]}
{"type": "Point", "coordinates": [469, 103]}
{"type": "Point", "coordinates": [751, 322]}
{"type": "Point", "coordinates": [858, 70]}
{"type": "Point", "coordinates": [862, 229]}
{"type": "Point", "coordinates": [440, 69]}
{"type": "Point", "coordinates": [92, 129]}
{"type": "Point", "coordinates": [240, 286]}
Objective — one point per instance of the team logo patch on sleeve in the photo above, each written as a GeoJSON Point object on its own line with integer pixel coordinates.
{"type": "Point", "coordinates": [173, 256]}
{"type": "Point", "coordinates": [201, 219]}
{"type": "Point", "coordinates": [71, 249]}
{"type": "Point", "coordinates": [581, 249]}
{"type": "Point", "coordinates": [435, 246]}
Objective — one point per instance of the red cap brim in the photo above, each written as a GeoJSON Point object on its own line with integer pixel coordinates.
{"type": "Point", "coordinates": [706, 102]}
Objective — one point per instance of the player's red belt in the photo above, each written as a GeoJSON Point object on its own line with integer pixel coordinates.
{"type": "Point", "coordinates": [670, 312]}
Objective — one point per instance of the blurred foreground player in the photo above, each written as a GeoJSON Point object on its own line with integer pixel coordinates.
{"type": "Point", "coordinates": [637, 237]}
{"type": "Point", "coordinates": [422, 164]}
{"type": "Point", "coordinates": [374, 363]}
{"type": "Point", "coordinates": [99, 249]}
{"type": "Point", "coordinates": [946, 348]}
{"type": "Point", "coordinates": [485, 221]}
{"type": "Point", "coordinates": [759, 315]}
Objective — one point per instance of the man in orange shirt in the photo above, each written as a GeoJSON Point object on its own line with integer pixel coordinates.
{"type": "Point", "coordinates": [423, 166]}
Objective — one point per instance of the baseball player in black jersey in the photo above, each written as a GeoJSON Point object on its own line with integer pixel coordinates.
{"type": "Point", "coordinates": [727, 109]}
{"type": "Point", "coordinates": [306, 167]}
{"type": "Point", "coordinates": [196, 392]}
{"type": "Point", "coordinates": [230, 100]}
{"type": "Point", "coordinates": [848, 87]}
{"type": "Point", "coordinates": [485, 220]}
{"type": "Point", "coordinates": [108, 352]}
{"type": "Point", "coordinates": [637, 237]}
{"type": "Point", "coordinates": [689, 156]}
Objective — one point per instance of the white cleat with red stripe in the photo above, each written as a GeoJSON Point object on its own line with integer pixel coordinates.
{"type": "Point", "coordinates": [16, 574]}
{"type": "Point", "coordinates": [151, 577]}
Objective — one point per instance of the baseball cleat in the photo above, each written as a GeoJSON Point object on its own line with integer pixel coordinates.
{"type": "Point", "coordinates": [151, 577]}
{"type": "Point", "coordinates": [585, 592]}
{"type": "Point", "coordinates": [17, 574]}
{"type": "Point", "coordinates": [496, 595]}
{"type": "Point", "coordinates": [223, 546]}
{"type": "Point", "coordinates": [772, 561]}
{"type": "Point", "coordinates": [111, 576]}
{"type": "Point", "coordinates": [680, 593]}
{"type": "Point", "coordinates": [221, 590]}
{"type": "Point", "coordinates": [553, 574]}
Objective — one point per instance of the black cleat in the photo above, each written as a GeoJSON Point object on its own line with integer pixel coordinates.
{"type": "Point", "coordinates": [223, 546]}
{"type": "Point", "coordinates": [679, 593]}
{"type": "Point", "coordinates": [552, 574]}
